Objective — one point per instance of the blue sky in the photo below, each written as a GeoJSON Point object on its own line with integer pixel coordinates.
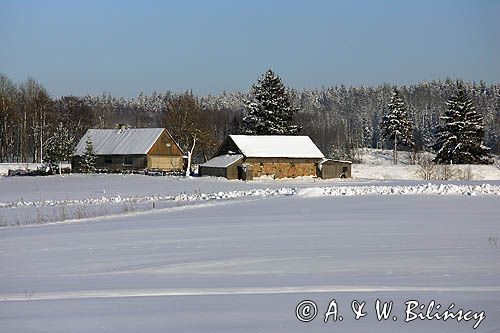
{"type": "Point", "coordinates": [124, 47]}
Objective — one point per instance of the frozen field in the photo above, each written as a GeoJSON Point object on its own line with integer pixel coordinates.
{"type": "Point", "coordinates": [243, 263]}
{"type": "Point", "coordinates": [40, 200]}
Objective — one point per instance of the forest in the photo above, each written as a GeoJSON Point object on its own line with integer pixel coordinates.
{"type": "Point", "coordinates": [339, 119]}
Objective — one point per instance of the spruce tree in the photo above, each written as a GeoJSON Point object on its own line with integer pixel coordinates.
{"type": "Point", "coordinates": [271, 112]}
{"type": "Point", "coordinates": [395, 124]}
{"type": "Point", "coordinates": [89, 157]}
{"type": "Point", "coordinates": [59, 147]}
{"type": "Point", "coordinates": [460, 139]}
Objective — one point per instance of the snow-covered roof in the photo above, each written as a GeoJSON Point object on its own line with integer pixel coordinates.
{"type": "Point", "coordinates": [222, 161]}
{"type": "Point", "coordinates": [128, 141]}
{"type": "Point", "coordinates": [332, 160]}
{"type": "Point", "coordinates": [286, 146]}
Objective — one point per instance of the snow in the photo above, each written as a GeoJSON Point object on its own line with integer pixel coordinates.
{"type": "Point", "coordinates": [377, 164]}
{"type": "Point", "coordinates": [40, 200]}
{"type": "Point", "coordinates": [5, 167]}
{"type": "Point", "coordinates": [120, 141]}
{"type": "Point", "coordinates": [242, 265]}
{"type": "Point", "coordinates": [222, 161]}
{"type": "Point", "coordinates": [134, 253]}
{"type": "Point", "coordinates": [333, 160]}
{"type": "Point", "coordinates": [277, 146]}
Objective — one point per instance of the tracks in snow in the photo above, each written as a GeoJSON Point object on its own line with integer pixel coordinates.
{"type": "Point", "coordinates": [169, 292]}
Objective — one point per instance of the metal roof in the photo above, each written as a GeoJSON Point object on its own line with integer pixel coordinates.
{"type": "Point", "coordinates": [222, 161]}
{"type": "Point", "coordinates": [128, 141]}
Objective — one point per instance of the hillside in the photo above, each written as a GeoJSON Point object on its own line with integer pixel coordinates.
{"type": "Point", "coordinates": [377, 164]}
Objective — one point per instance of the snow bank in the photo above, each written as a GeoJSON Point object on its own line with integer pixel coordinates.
{"type": "Point", "coordinates": [427, 189]}
{"type": "Point", "coordinates": [441, 189]}
{"type": "Point", "coordinates": [5, 167]}
{"type": "Point", "coordinates": [221, 195]}
{"type": "Point", "coordinates": [43, 211]}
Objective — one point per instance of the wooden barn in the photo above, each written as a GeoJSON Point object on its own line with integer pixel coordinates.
{"type": "Point", "coordinates": [131, 149]}
{"type": "Point", "coordinates": [279, 156]}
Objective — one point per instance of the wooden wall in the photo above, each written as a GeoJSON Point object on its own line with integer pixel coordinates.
{"type": "Point", "coordinates": [229, 172]}
{"type": "Point", "coordinates": [112, 162]}
{"type": "Point", "coordinates": [165, 154]}
{"type": "Point", "coordinates": [227, 146]}
{"type": "Point", "coordinates": [335, 169]}
{"type": "Point", "coordinates": [165, 163]}
{"type": "Point", "coordinates": [165, 146]}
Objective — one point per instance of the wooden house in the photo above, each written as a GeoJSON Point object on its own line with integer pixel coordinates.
{"type": "Point", "coordinates": [131, 149]}
{"type": "Point", "coordinates": [278, 156]}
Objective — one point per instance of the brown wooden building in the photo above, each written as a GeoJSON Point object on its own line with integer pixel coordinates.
{"type": "Point", "coordinates": [279, 156]}
{"type": "Point", "coordinates": [131, 149]}
{"type": "Point", "coordinates": [329, 168]}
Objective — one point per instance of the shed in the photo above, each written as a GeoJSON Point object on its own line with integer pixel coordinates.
{"type": "Point", "coordinates": [222, 166]}
{"type": "Point", "coordinates": [131, 149]}
{"type": "Point", "coordinates": [328, 168]}
{"type": "Point", "coordinates": [278, 156]}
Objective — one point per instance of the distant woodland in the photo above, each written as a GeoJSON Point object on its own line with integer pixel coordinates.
{"type": "Point", "coordinates": [339, 119]}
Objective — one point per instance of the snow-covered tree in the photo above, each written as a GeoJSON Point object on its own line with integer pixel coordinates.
{"type": "Point", "coordinates": [271, 111]}
{"type": "Point", "coordinates": [395, 124]}
{"type": "Point", "coordinates": [460, 139]}
{"type": "Point", "coordinates": [59, 147]}
{"type": "Point", "coordinates": [89, 157]}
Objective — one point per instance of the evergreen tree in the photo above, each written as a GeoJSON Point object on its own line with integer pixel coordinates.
{"type": "Point", "coordinates": [460, 139]}
{"type": "Point", "coordinates": [89, 157]}
{"type": "Point", "coordinates": [271, 112]}
{"type": "Point", "coordinates": [395, 124]}
{"type": "Point", "coordinates": [59, 147]}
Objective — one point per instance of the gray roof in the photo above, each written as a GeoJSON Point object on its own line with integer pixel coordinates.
{"type": "Point", "coordinates": [129, 141]}
{"type": "Point", "coordinates": [222, 161]}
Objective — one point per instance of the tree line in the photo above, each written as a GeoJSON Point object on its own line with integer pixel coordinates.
{"type": "Point", "coordinates": [339, 119]}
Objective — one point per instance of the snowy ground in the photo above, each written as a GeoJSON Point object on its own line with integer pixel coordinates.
{"type": "Point", "coordinates": [377, 164]}
{"type": "Point", "coordinates": [5, 167]}
{"type": "Point", "coordinates": [39, 200]}
{"type": "Point", "coordinates": [132, 253]}
{"type": "Point", "coordinates": [243, 265]}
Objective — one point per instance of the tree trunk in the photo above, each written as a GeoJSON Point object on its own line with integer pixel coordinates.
{"type": "Point", "coordinates": [190, 154]}
{"type": "Point", "coordinates": [395, 153]}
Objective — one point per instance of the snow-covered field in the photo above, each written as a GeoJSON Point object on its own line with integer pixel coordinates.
{"type": "Point", "coordinates": [39, 200]}
{"type": "Point", "coordinates": [377, 164]}
{"type": "Point", "coordinates": [131, 253]}
{"type": "Point", "coordinates": [244, 265]}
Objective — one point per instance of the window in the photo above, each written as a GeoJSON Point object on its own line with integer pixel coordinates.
{"type": "Point", "coordinates": [168, 146]}
{"type": "Point", "coordinates": [128, 160]}
{"type": "Point", "coordinates": [108, 159]}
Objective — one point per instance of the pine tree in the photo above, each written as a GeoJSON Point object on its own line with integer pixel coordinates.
{"type": "Point", "coordinates": [395, 124]}
{"type": "Point", "coordinates": [271, 112]}
{"type": "Point", "coordinates": [460, 139]}
{"type": "Point", "coordinates": [59, 147]}
{"type": "Point", "coordinates": [89, 157]}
